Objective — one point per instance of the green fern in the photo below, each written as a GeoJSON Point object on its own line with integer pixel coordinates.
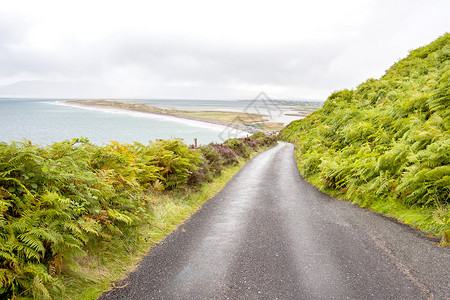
{"type": "Point", "coordinates": [387, 140]}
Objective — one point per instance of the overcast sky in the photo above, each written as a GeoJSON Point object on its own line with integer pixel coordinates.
{"type": "Point", "coordinates": [208, 49]}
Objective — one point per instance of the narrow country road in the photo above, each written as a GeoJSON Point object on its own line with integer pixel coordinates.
{"type": "Point", "coordinates": [270, 235]}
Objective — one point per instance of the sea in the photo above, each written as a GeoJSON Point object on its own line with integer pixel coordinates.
{"type": "Point", "coordinates": [45, 121]}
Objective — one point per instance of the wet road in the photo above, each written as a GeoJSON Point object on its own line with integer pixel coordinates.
{"type": "Point", "coordinates": [270, 235]}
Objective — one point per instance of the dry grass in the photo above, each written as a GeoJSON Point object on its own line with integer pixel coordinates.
{"type": "Point", "coordinates": [272, 126]}
{"type": "Point", "coordinates": [228, 116]}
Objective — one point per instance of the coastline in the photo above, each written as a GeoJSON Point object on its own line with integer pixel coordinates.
{"type": "Point", "coordinates": [162, 112]}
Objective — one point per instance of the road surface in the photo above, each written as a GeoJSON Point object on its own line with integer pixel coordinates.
{"type": "Point", "coordinates": [270, 235]}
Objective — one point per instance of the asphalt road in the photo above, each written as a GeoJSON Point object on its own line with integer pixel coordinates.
{"type": "Point", "coordinates": [270, 235]}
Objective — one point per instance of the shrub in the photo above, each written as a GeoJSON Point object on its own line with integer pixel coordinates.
{"type": "Point", "coordinates": [251, 143]}
{"type": "Point", "coordinates": [263, 139]}
{"type": "Point", "coordinates": [213, 158]}
{"type": "Point", "coordinates": [201, 174]}
{"type": "Point", "coordinates": [175, 159]}
{"type": "Point", "coordinates": [238, 146]}
{"type": "Point", "coordinates": [258, 135]}
{"type": "Point", "coordinates": [228, 155]}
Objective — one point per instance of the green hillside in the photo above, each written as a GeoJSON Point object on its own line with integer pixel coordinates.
{"type": "Point", "coordinates": [386, 144]}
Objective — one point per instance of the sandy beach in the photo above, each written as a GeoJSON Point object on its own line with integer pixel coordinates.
{"type": "Point", "coordinates": [115, 105]}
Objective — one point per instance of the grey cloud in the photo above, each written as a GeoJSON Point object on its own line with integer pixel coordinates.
{"type": "Point", "coordinates": [195, 60]}
{"type": "Point", "coordinates": [184, 63]}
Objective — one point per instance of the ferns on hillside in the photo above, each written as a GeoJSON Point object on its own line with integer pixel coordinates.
{"type": "Point", "coordinates": [389, 138]}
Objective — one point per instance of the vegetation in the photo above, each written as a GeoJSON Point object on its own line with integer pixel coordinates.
{"type": "Point", "coordinates": [386, 144]}
{"type": "Point", "coordinates": [65, 206]}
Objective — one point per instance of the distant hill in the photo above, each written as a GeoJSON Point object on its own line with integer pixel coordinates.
{"type": "Point", "coordinates": [55, 89]}
{"type": "Point", "coordinates": [386, 144]}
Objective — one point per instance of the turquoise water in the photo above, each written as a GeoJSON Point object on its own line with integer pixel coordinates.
{"type": "Point", "coordinates": [47, 121]}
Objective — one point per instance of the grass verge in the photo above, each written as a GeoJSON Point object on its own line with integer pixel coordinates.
{"type": "Point", "coordinates": [434, 221]}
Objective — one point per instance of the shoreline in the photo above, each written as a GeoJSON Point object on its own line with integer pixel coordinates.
{"type": "Point", "coordinates": [162, 112]}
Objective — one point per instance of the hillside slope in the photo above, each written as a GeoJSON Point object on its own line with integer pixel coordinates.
{"type": "Point", "coordinates": [386, 144]}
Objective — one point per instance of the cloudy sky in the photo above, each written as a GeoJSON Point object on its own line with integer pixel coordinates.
{"type": "Point", "coordinates": [207, 49]}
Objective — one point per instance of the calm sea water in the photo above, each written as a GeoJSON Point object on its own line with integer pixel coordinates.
{"type": "Point", "coordinates": [47, 121]}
